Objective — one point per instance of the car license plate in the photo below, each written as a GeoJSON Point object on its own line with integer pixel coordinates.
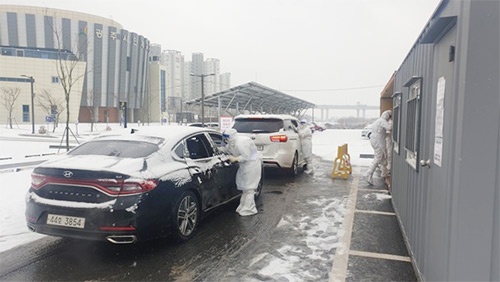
{"type": "Point", "coordinates": [260, 147]}
{"type": "Point", "coordinates": [68, 221]}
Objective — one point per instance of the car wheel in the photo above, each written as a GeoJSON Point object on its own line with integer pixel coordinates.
{"type": "Point", "coordinates": [185, 216]}
{"type": "Point", "coordinates": [368, 135]}
{"type": "Point", "coordinates": [294, 169]}
{"type": "Point", "coordinates": [258, 192]}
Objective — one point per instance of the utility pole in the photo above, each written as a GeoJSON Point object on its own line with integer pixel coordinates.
{"type": "Point", "coordinates": [32, 80]}
{"type": "Point", "coordinates": [202, 76]}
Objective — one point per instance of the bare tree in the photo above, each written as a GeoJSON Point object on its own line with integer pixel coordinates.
{"type": "Point", "coordinates": [67, 65]}
{"type": "Point", "coordinates": [9, 97]}
{"type": "Point", "coordinates": [91, 102]}
{"type": "Point", "coordinates": [53, 106]}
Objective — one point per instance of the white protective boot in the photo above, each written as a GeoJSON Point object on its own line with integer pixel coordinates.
{"type": "Point", "coordinates": [309, 167]}
{"type": "Point", "coordinates": [247, 203]}
{"type": "Point", "coordinates": [369, 179]}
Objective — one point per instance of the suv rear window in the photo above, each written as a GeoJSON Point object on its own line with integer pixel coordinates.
{"type": "Point", "coordinates": [258, 125]}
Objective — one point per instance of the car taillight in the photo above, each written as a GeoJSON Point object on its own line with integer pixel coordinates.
{"type": "Point", "coordinates": [131, 186]}
{"type": "Point", "coordinates": [128, 186]}
{"type": "Point", "coordinates": [278, 138]}
{"type": "Point", "coordinates": [37, 180]}
{"type": "Point", "coordinates": [109, 186]}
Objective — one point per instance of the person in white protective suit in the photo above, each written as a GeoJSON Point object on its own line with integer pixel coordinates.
{"type": "Point", "coordinates": [388, 143]}
{"type": "Point", "coordinates": [244, 151]}
{"type": "Point", "coordinates": [377, 139]}
{"type": "Point", "coordinates": [305, 135]}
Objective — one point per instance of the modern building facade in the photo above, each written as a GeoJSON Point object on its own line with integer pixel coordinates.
{"type": "Point", "coordinates": [116, 59]}
{"type": "Point", "coordinates": [155, 104]}
{"type": "Point", "coordinates": [197, 69]}
{"type": "Point", "coordinates": [446, 131]}
{"type": "Point", "coordinates": [212, 82]}
{"type": "Point", "coordinates": [225, 81]}
{"type": "Point", "coordinates": [116, 68]}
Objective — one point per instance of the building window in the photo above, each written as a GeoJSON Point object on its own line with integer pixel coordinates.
{"type": "Point", "coordinates": [26, 113]}
{"type": "Point", "coordinates": [8, 51]}
{"type": "Point", "coordinates": [396, 120]}
{"type": "Point", "coordinates": [413, 122]}
{"type": "Point", "coordinates": [55, 79]}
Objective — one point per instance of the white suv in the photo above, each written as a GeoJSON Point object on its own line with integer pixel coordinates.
{"type": "Point", "coordinates": [276, 138]}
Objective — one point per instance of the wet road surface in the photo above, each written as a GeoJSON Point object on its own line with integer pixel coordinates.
{"type": "Point", "coordinates": [293, 237]}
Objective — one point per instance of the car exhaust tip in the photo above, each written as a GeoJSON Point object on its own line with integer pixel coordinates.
{"type": "Point", "coordinates": [31, 228]}
{"type": "Point", "coordinates": [121, 239]}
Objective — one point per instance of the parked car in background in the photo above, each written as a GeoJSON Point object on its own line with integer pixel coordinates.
{"type": "Point", "coordinates": [137, 184]}
{"type": "Point", "coordinates": [366, 132]}
{"type": "Point", "coordinates": [276, 138]}
{"type": "Point", "coordinates": [317, 127]}
{"type": "Point", "coordinates": [214, 125]}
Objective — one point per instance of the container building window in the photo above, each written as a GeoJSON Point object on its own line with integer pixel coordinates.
{"type": "Point", "coordinates": [412, 123]}
{"type": "Point", "coordinates": [396, 121]}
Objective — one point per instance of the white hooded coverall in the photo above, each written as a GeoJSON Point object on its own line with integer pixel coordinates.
{"type": "Point", "coordinates": [249, 172]}
{"type": "Point", "coordinates": [377, 140]}
{"type": "Point", "coordinates": [305, 134]}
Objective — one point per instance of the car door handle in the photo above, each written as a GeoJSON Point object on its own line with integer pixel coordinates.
{"type": "Point", "coordinates": [223, 163]}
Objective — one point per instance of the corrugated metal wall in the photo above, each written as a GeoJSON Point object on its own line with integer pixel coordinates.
{"type": "Point", "coordinates": [449, 207]}
{"type": "Point", "coordinates": [409, 194]}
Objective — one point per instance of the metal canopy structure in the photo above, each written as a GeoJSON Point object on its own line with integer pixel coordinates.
{"type": "Point", "coordinates": [252, 98]}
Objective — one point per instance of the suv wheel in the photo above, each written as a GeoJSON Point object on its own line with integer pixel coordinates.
{"type": "Point", "coordinates": [258, 192]}
{"type": "Point", "coordinates": [294, 169]}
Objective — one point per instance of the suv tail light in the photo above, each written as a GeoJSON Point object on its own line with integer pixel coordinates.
{"type": "Point", "coordinates": [278, 138]}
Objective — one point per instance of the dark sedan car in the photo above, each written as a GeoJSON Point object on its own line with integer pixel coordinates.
{"type": "Point", "coordinates": [133, 185]}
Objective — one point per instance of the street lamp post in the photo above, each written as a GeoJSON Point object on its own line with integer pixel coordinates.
{"type": "Point", "coordinates": [32, 80]}
{"type": "Point", "coordinates": [202, 76]}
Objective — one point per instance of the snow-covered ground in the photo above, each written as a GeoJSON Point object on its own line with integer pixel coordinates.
{"type": "Point", "coordinates": [22, 146]}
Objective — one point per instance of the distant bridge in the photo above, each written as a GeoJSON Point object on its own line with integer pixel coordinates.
{"type": "Point", "coordinates": [359, 108]}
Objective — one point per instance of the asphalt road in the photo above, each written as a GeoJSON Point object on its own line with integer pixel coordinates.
{"type": "Point", "coordinates": [283, 241]}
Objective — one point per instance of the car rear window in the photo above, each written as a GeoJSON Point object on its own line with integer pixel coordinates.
{"type": "Point", "coordinates": [116, 148]}
{"type": "Point", "coordinates": [258, 125]}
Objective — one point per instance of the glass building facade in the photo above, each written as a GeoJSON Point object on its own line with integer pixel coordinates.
{"type": "Point", "coordinates": [116, 59]}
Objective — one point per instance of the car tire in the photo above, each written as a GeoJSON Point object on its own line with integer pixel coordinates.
{"type": "Point", "coordinates": [258, 192]}
{"type": "Point", "coordinates": [369, 135]}
{"type": "Point", "coordinates": [185, 216]}
{"type": "Point", "coordinates": [294, 169]}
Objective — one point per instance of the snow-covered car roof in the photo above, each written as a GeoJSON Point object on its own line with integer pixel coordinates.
{"type": "Point", "coordinates": [165, 132]}
{"type": "Point", "coordinates": [164, 136]}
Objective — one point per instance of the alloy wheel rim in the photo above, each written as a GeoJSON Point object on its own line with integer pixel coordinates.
{"type": "Point", "coordinates": [187, 216]}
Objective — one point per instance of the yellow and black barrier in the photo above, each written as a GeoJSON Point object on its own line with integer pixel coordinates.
{"type": "Point", "coordinates": [342, 164]}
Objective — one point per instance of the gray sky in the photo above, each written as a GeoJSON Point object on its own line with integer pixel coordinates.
{"type": "Point", "coordinates": [311, 49]}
